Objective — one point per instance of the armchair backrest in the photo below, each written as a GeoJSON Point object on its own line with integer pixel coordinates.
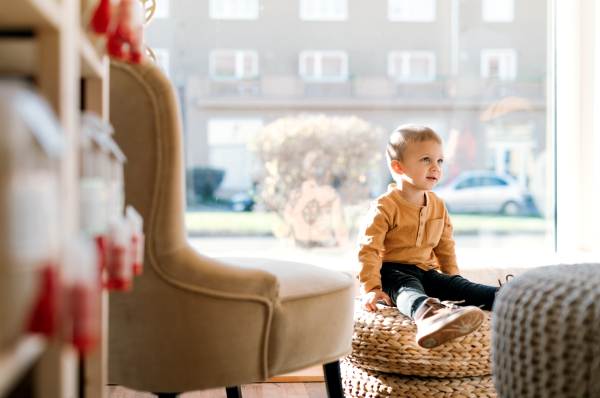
{"type": "Point", "coordinates": [154, 177]}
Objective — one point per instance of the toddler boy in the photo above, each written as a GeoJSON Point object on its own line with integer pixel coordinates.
{"type": "Point", "coordinates": [406, 238]}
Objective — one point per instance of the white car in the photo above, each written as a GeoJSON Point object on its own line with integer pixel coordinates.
{"type": "Point", "coordinates": [480, 191]}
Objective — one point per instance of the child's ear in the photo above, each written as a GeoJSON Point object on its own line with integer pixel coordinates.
{"type": "Point", "coordinates": [397, 167]}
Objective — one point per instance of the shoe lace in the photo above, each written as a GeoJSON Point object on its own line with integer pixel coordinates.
{"type": "Point", "coordinates": [506, 280]}
{"type": "Point", "coordinates": [446, 303]}
{"type": "Point", "coordinates": [451, 304]}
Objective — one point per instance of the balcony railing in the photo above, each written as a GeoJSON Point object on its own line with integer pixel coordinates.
{"type": "Point", "coordinates": [422, 90]}
{"type": "Point", "coordinates": [376, 87]}
{"type": "Point", "coordinates": [243, 88]}
{"type": "Point", "coordinates": [342, 89]}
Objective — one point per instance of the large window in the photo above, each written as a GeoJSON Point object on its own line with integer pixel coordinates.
{"type": "Point", "coordinates": [498, 10]}
{"type": "Point", "coordinates": [411, 10]}
{"type": "Point", "coordinates": [286, 116]}
{"type": "Point", "coordinates": [499, 63]}
{"type": "Point", "coordinates": [233, 64]}
{"type": "Point", "coordinates": [324, 65]}
{"type": "Point", "coordinates": [324, 10]}
{"type": "Point", "coordinates": [233, 9]}
{"type": "Point", "coordinates": [416, 66]}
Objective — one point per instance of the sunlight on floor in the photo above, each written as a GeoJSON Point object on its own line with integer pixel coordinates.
{"type": "Point", "coordinates": [258, 390]}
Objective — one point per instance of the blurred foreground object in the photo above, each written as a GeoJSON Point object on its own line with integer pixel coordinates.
{"type": "Point", "coordinates": [30, 241]}
{"type": "Point", "coordinates": [546, 333]}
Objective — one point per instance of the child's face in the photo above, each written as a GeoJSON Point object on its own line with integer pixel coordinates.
{"type": "Point", "coordinates": [421, 167]}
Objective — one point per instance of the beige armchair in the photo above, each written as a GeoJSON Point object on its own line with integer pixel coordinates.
{"type": "Point", "coordinates": [193, 322]}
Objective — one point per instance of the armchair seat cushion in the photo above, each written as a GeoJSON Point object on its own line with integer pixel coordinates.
{"type": "Point", "coordinates": [307, 322]}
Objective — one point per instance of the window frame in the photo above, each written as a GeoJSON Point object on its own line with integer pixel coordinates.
{"type": "Point", "coordinates": [317, 16]}
{"type": "Point", "coordinates": [575, 98]}
{"type": "Point", "coordinates": [488, 53]}
{"type": "Point", "coordinates": [239, 59]}
{"type": "Point", "coordinates": [227, 15]}
{"type": "Point", "coordinates": [392, 16]}
{"type": "Point", "coordinates": [406, 55]}
{"type": "Point", "coordinates": [318, 54]}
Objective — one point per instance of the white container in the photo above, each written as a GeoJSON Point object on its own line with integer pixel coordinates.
{"type": "Point", "coordinates": [30, 234]}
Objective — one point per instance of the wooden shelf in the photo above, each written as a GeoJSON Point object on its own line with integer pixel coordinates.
{"type": "Point", "coordinates": [30, 14]}
{"type": "Point", "coordinates": [16, 361]}
{"type": "Point", "coordinates": [92, 65]}
{"type": "Point", "coordinates": [18, 56]}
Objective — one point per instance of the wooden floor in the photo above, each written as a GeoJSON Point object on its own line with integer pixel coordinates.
{"type": "Point", "coordinates": [259, 390]}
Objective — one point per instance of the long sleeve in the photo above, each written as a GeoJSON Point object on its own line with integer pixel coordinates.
{"type": "Point", "coordinates": [444, 250]}
{"type": "Point", "coordinates": [374, 226]}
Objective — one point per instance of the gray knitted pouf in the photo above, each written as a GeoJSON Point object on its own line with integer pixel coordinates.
{"type": "Point", "coordinates": [546, 333]}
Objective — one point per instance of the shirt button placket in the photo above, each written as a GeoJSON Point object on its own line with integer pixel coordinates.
{"type": "Point", "coordinates": [421, 214]}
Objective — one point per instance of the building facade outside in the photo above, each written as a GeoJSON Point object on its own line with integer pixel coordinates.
{"type": "Point", "coordinates": [473, 70]}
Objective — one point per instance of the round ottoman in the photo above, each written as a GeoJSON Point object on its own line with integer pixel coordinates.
{"type": "Point", "coordinates": [385, 341]}
{"type": "Point", "coordinates": [364, 383]}
{"type": "Point", "coordinates": [546, 334]}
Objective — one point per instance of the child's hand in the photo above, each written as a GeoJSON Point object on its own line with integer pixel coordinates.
{"type": "Point", "coordinates": [370, 300]}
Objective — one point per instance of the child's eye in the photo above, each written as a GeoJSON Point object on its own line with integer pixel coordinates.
{"type": "Point", "coordinates": [425, 159]}
{"type": "Point", "coordinates": [440, 161]}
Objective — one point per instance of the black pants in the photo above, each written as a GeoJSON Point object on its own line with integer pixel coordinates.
{"type": "Point", "coordinates": [408, 286]}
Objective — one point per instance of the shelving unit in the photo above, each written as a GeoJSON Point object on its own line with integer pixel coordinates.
{"type": "Point", "coordinates": [44, 41]}
{"type": "Point", "coordinates": [15, 362]}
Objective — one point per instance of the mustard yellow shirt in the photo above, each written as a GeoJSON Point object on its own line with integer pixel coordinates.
{"type": "Point", "coordinates": [394, 230]}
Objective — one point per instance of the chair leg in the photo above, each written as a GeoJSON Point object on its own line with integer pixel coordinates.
{"type": "Point", "coordinates": [166, 394]}
{"type": "Point", "coordinates": [234, 392]}
{"type": "Point", "coordinates": [333, 380]}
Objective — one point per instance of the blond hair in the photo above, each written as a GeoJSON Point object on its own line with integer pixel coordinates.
{"type": "Point", "coordinates": [406, 134]}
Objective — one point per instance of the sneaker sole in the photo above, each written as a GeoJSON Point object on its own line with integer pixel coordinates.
{"type": "Point", "coordinates": [453, 327]}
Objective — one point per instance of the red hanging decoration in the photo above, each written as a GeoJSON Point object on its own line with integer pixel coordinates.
{"type": "Point", "coordinates": [85, 311]}
{"type": "Point", "coordinates": [45, 311]}
{"type": "Point", "coordinates": [101, 18]}
{"type": "Point", "coordinates": [126, 33]}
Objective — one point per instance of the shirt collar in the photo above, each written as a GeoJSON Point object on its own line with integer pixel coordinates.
{"type": "Point", "coordinates": [392, 187]}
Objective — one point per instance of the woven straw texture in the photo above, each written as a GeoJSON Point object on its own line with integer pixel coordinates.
{"type": "Point", "coordinates": [385, 341]}
{"type": "Point", "coordinates": [364, 383]}
{"type": "Point", "coordinates": [546, 333]}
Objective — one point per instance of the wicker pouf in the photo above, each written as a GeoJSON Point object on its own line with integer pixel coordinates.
{"type": "Point", "coordinates": [364, 383]}
{"type": "Point", "coordinates": [546, 336]}
{"type": "Point", "coordinates": [385, 341]}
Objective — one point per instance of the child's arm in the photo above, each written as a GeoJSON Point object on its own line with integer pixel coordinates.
{"type": "Point", "coordinates": [374, 226]}
{"type": "Point", "coordinates": [444, 251]}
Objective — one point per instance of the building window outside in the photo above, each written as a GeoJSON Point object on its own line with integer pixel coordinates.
{"type": "Point", "coordinates": [417, 66]}
{"type": "Point", "coordinates": [323, 10]}
{"type": "Point", "coordinates": [162, 59]}
{"type": "Point", "coordinates": [498, 10]}
{"type": "Point", "coordinates": [233, 64]}
{"type": "Point", "coordinates": [324, 65]}
{"type": "Point", "coordinates": [411, 10]}
{"type": "Point", "coordinates": [227, 138]}
{"type": "Point", "coordinates": [233, 9]}
{"type": "Point", "coordinates": [499, 63]}
{"type": "Point", "coordinates": [162, 9]}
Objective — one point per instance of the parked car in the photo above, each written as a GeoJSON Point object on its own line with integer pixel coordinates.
{"type": "Point", "coordinates": [481, 191]}
{"type": "Point", "coordinates": [242, 201]}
